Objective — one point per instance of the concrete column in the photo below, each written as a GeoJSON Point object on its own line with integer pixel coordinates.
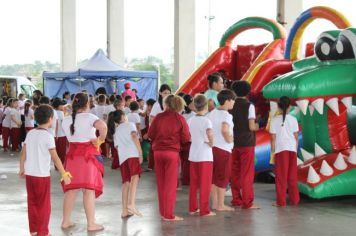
{"type": "Point", "coordinates": [184, 40]}
{"type": "Point", "coordinates": [115, 31]}
{"type": "Point", "coordinates": [68, 35]}
{"type": "Point", "coordinates": [288, 11]}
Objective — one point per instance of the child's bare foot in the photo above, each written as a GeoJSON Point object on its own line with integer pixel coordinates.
{"type": "Point", "coordinates": [134, 211]}
{"type": "Point", "coordinates": [126, 215]}
{"type": "Point", "coordinates": [194, 212]}
{"type": "Point", "coordinates": [225, 208]}
{"type": "Point", "coordinates": [276, 205]}
{"type": "Point", "coordinates": [176, 218]}
{"type": "Point", "coordinates": [210, 214]}
{"type": "Point", "coordinates": [95, 227]}
{"type": "Point", "coordinates": [67, 225]}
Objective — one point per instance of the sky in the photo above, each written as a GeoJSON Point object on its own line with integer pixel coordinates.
{"type": "Point", "coordinates": [31, 32]}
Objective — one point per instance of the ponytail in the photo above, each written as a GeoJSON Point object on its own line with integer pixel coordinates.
{"type": "Point", "coordinates": [115, 117]}
{"type": "Point", "coordinates": [80, 102]}
{"type": "Point", "coordinates": [27, 107]}
{"type": "Point", "coordinates": [283, 104]}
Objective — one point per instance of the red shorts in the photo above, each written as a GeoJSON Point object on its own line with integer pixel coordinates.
{"type": "Point", "coordinates": [129, 168]}
{"type": "Point", "coordinates": [221, 167]}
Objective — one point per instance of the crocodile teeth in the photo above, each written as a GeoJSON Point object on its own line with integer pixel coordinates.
{"type": "Point", "coordinates": [318, 104]}
{"type": "Point", "coordinates": [311, 109]}
{"type": "Point", "coordinates": [352, 157]}
{"type": "Point", "coordinates": [318, 150]}
{"type": "Point", "coordinates": [273, 107]}
{"type": "Point", "coordinates": [325, 169]}
{"type": "Point", "coordinates": [303, 105]}
{"type": "Point", "coordinates": [299, 162]}
{"type": "Point", "coordinates": [313, 177]}
{"type": "Point", "coordinates": [333, 104]}
{"type": "Point", "coordinates": [306, 155]}
{"type": "Point", "coordinates": [340, 163]}
{"type": "Point", "coordinates": [347, 101]}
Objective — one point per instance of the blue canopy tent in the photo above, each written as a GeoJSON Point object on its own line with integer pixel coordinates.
{"type": "Point", "coordinates": [100, 71]}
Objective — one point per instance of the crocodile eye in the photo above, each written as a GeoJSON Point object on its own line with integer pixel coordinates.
{"type": "Point", "coordinates": [345, 45]}
{"type": "Point", "coordinates": [324, 48]}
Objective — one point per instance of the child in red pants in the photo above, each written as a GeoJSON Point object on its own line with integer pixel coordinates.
{"type": "Point", "coordinates": [201, 158]}
{"type": "Point", "coordinates": [35, 162]}
{"type": "Point", "coordinates": [16, 123]}
{"type": "Point", "coordinates": [284, 141]}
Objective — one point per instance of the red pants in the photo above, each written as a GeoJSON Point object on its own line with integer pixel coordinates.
{"type": "Point", "coordinates": [151, 159]}
{"type": "Point", "coordinates": [115, 164]}
{"type": "Point", "coordinates": [286, 173]}
{"type": "Point", "coordinates": [166, 168]}
{"type": "Point", "coordinates": [1, 129]}
{"type": "Point", "coordinates": [201, 174]}
{"type": "Point", "coordinates": [28, 129]}
{"type": "Point", "coordinates": [61, 147]}
{"type": "Point", "coordinates": [242, 176]}
{"type": "Point", "coordinates": [185, 164]}
{"type": "Point", "coordinates": [15, 138]}
{"type": "Point", "coordinates": [222, 167]}
{"type": "Point", "coordinates": [38, 203]}
{"type": "Point", "coordinates": [5, 137]}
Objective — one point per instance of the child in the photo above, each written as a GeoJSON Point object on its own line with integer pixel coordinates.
{"type": "Point", "coordinates": [128, 100]}
{"type": "Point", "coordinates": [284, 141]}
{"type": "Point", "coordinates": [15, 125]}
{"type": "Point", "coordinates": [100, 109]}
{"type": "Point", "coordinates": [141, 112]}
{"type": "Point", "coordinates": [29, 116]}
{"type": "Point", "coordinates": [60, 138]}
{"type": "Point", "coordinates": [35, 162]}
{"type": "Point", "coordinates": [223, 144]}
{"type": "Point", "coordinates": [126, 140]}
{"type": "Point", "coordinates": [119, 103]}
{"type": "Point", "coordinates": [201, 158]}
{"type": "Point", "coordinates": [110, 107]}
{"type": "Point", "coordinates": [6, 124]}
{"type": "Point", "coordinates": [134, 117]}
{"type": "Point", "coordinates": [1, 114]}
{"type": "Point", "coordinates": [53, 129]}
{"type": "Point", "coordinates": [149, 104]}
{"type": "Point", "coordinates": [243, 154]}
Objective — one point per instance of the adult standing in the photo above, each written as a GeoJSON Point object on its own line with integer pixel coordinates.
{"type": "Point", "coordinates": [83, 160]}
{"type": "Point", "coordinates": [216, 84]}
{"type": "Point", "coordinates": [168, 131]}
{"type": "Point", "coordinates": [128, 92]}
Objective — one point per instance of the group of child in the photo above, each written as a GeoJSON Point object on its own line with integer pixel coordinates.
{"type": "Point", "coordinates": [215, 147]}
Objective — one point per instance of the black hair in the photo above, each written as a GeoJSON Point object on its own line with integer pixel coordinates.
{"type": "Point", "coordinates": [43, 113]}
{"type": "Point", "coordinates": [213, 78]}
{"type": "Point", "coordinates": [72, 96]}
{"type": "Point", "coordinates": [241, 88]}
{"type": "Point", "coordinates": [150, 102]}
{"type": "Point", "coordinates": [225, 95]}
{"type": "Point", "coordinates": [134, 106]}
{"type": "Point", "coordinates": [102, 98]}
{"type": "Point", "coordinates": [80, 101]}
{"type": "Point", "coordinates": [283, 104]}
{"type": "Point", "coordinates": [139, 100]}
{"type": "Point", "coordinates": [56, 102]}
{"type": "Point", "coordinates": [100, 90]}
{"type": "Point", "coordinates": [9, 102]}
{"type": "Point", "coordinates": [21, 95]}
{"type": "Point", "coordinates": [188, 100]}
{"type": "Point", "coordinates": [44, 100]}
{"type": "Point", "coordinates": [128, 97]}
{"type": "Point", "coordinates": [181, 94]}
{"type": "Point", "coordinates": [114, 117]}
{"type": "Point", "coordinates": [112, 98]}
{"type": "Point", "coordinates": [163, 87]}
{"type": "Point", "coordinates": [28, 103]}
{"type": "Point", "coordinates": [65, 94]}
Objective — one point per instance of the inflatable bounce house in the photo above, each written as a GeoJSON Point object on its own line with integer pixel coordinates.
{"type": "Point", "coordinates": [322, 87]}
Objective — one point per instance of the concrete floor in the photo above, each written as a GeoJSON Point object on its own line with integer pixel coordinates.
{"type": "Point", "coordinates": [327, 217]}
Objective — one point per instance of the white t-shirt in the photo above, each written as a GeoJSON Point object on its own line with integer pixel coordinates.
{"type": "Point", "coordinates": [124, 142]}
{"type": "Point", "coordinates": [101, 112]}
{"type": "Point", "coordinates": [189, 115]}
{"type": "Point", "coordinates": [60, 131]}
{"type": "Point", "coordinates": [38, 159]}
{"type": "Point", "coordinates": [142, 119]}
{"type": "Point", "coordinates": [199, 149]}
{"type": "Point", "coordinates": [217, 118]}
{"type": "Point", "coordinates": [7, 120]}
{"type": "Point", "coordinates": [110, 108]}
{"type": "Point", "coordinates": [17, 115]}
{"type": "Point", "coordinates": [22, 106]}
{"type": "Point", "coordinates": [84, 129]}
{"type": "Point", "coordinates": [52, 130]}
{"type": "Point", "coordinates": [156, 109]}
{"type": "Point", "coordinates": [285, 140]}
{"type": "Point", "coordinates": [127, 110]}
{"type": "Point", "coordinates": [29, 121]}
{"type": "Point", "coordinates": [251, 112]}
{"type": "Point", "coordinates": [134, 117]}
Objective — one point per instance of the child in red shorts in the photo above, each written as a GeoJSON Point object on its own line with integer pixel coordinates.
{"type": "Point", "coordinates": [127, 141]}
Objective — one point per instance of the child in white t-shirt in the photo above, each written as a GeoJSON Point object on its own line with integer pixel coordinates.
{"type": "Point", "coordinates": [223, 145]}
{"type": "Point", "coordinates": [60, 138]}
{"type": "Point", "coordinates": [134, 117]}
{"type": "Point", "coordinates": [201, 158]}
{"type": "Point", "coordinates": [128, 100]}
{"type": "Point", "coordinates": [6, 124]}
{"type": "Point", "coordinates": [29, 116]}
{"type": "Point", "coordinates": [15, 125]}
{"type": "Point", "coordinates": [101, 108]}
{"type": "Point", "coordinates": [35, 162]}
{"type": "Point", "coordinates": [284, 142]}
{"type": "Point", "coordinates": [126, 140]}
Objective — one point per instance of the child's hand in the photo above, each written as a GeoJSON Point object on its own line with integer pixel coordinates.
{"type": "Point", "coordinates": [141, 159]}
{"type": "Point", "coordinates": [22, 173]}
{"type": "Point", "coordinates": [67, 180]}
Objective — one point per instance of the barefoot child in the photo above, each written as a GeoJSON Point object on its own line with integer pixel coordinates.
{"type": "Point", "coordinates": [201, 158]}
{"type": "Point", "coordinates": [223, 144]}
{"type": "Point", "coordinates": [284, 141]}
{"type": "Point", "coordinates": [35, 162]}
{"type": "Point", "coordinates": [127, 141]}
